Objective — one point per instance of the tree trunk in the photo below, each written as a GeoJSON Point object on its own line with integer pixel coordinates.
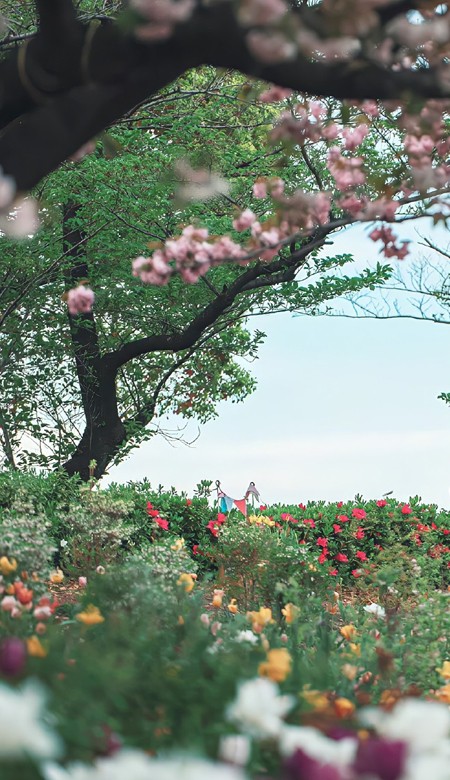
{"type": "Point", "coordinates": [104, 432]}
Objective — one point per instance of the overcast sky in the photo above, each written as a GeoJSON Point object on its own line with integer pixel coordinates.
{"type": "Point", "coordinates": [342, 407]}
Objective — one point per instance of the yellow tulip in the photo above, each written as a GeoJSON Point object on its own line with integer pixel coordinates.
{"type": "Point", "coordinates": [179, 544]}
{"type": "Point", "coordinates": [217, 598]}
{"type": "Point", "coordinates": [444, 671]}
{"type": "Point", "coordinates": [232, 606]}
{"type": "Point", "coordinates": [56, 577]}
{"type": "Point", "coordinates": [316, 699]}
{"type": "Point", "coordinates": [443, 694]}
{"type": "Point", "coordinates": [91, 616]}
{"type": "Point", "coordinates": [290, 612]}
{"type": "Point", "coordinates": [7, 566]}
{"type": "Point", "coordinates": [348, 632]}
{"type": "Point", "coordinates": [188, 581]}
{"type": "Point", "coordinates": [278, 665]}
{"type": "Point", "coordinates": [35, 647]}
{"type": "Point", "coordinates": [260, 619]}
{"type": "Point", "coordinates": [343, 707]}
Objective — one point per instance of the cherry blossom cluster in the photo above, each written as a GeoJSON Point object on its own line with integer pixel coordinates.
{"type": "Point", "coordinates": [389, 240]}
{"type": "Point", "coordinates": [427, 145]}
{"type": "Point", "coordinates": [161, 17]}
{"type": "Point", "coordinates": [195, 251]}
{"type": "Point", "coordinates": [341, 29]}
{"type": "Point", "coordinates": [80, 300]}
{"type": "Point", "coordinates": [344, 28]}
{"type": "Point", "coordinates": [426, 148]}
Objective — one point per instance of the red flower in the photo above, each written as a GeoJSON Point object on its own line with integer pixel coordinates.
{"type": "Point", "coordinates": [337, 528]}
{"type": "Point", "coordinates": [333, 572]}
{"type": "Point", "coordinates": [445, 531]}
{"type": "Point", "coordinates": [211, 526]}
{"type": "Point", "coordinates": [406, 509]}
{"type": "Point", "coordinates": [360, 514]}
{"type": "Point", "coordinates": [322, 541]}
{"type": "Point", "coordinates": [188, 502]}
{"type": "Point", "coordinates": [288, 518]}
{"type": "Point", "coordinates": [381, 503]}
{"type": "Point", "coordinates": [434, 526]}
{"type": "Point", "coordinates": [341, 557]}
{"type": "Point", "coordinates": [262, 507]}
{"type": "Point", "coordinates": [323, 556]}
{"type": "Point", "coordinates": [357, 573]}
{"type": "Point", "coordinates": [195, 550]}
{"type": "Point", "coordinates": [162, 523]}
{"type": "Point", "coordinates": [309, 521]}
{"type": "Point", "coordinates": [343, 518]}
{"type": "Point", "coordinates": [221, 518]}
{"type": "Point", "coordinates": [361, 555]}
{"type": "Point", "coordinates": [339, 504]}
{"type": "Point", "coordinates": [359, 533]}
{"type": "Point", "coordinates": [302, 506]}
{"type": "Point", "coordinates": [153, 512]}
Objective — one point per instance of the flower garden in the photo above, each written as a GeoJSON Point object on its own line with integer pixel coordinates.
{"type": "Point", "coordinates": [144, 635]}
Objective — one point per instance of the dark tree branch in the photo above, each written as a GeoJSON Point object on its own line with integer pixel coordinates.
{"type": "Point", "coordinates": [123, 73]}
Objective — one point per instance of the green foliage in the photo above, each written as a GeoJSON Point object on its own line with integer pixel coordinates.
{"type": "Point", "coordinates": [25, 536]}
{"type": "Point", "coordinates": [256, 563]}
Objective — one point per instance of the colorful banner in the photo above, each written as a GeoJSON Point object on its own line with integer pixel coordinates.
{"type": "Point", "coordinates": [241, 504]}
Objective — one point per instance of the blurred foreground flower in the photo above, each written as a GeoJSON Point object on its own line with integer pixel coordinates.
{"type": "Point", "coordinates": [23, 731]}
{"type": "Point", "coordinates": [258, 708]}
{"type": "Point", "coordinates": [136, 765]}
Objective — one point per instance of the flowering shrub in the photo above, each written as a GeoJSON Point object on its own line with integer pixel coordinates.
{"type": "Point", "coordinates": [268, 663]}
{"type": "Point", "coordinates": [25, 535]}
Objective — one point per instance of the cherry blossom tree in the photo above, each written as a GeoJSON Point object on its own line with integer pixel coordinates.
{"type": "Point", "coordinates": [356, 77]}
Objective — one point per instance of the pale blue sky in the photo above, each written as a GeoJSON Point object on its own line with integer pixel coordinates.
{"type": "Point", "coordinates": [342, 407]}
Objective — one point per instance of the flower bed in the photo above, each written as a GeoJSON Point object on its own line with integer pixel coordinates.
{"type": "Point", "coordinates": [245, 648]}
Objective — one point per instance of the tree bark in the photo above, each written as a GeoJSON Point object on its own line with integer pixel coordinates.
{"type": "Point", "coordinates": [104, 431]}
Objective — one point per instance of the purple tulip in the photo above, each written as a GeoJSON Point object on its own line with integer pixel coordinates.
{"type": "Point", "coordinates": [381, 758]}
{"type": "Point", "coordinates": [300, 766]}
{"type": "Point", "coordinates": [13, 656]}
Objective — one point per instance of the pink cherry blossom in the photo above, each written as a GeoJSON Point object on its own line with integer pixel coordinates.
{"type": "Point", "coordinates": [261, 12]}
{"type": "Point", "coordinates": [260, 189]}
{"type": "Point", "coordinates": [276, 187]}
{"type": "Point", "coordinates": [245, 220]}
{"type": "Point", "coordinates": [275, 94]}
{"type": "Point", "coordinates": [270, 46]}
{"type": "Point", "coordinates": [354, 136]}
{"type": "Point", "coordinates": [80, 300]}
